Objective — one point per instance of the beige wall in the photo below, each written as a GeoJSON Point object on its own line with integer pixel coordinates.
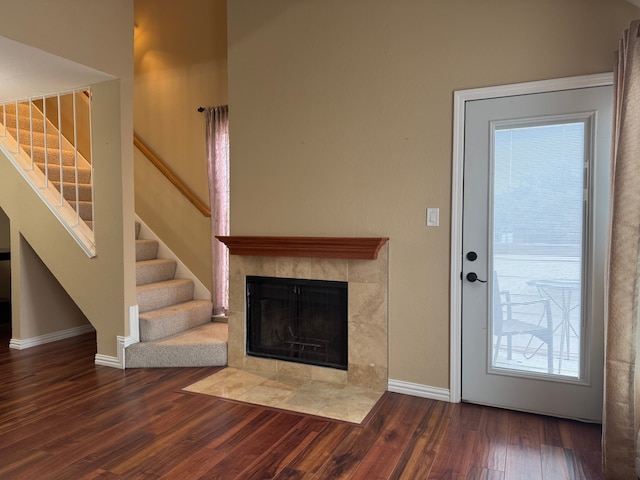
{"type": "Point", "coordinates": [98, 35]}
{"type": "Point", "coordinates": [180, 65]}
{"type": "Point", "coordinates": [45, 307]}
{"type": "Point", "coordinates": [341, 124]}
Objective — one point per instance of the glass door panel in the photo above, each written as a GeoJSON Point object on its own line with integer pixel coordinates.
{"type": "Point", "coordinates": [539, 209]}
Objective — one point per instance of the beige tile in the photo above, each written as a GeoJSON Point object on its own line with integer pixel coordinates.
{"type": "Point", "coordinates": [356, 394]}
{"type": "Point", "coordinates": [374, 378]}
{"type": "Point", "coordinates": [371, 271]}
{"type": "Point", "coordinates": [346, 411]}
{"type": "Point", "coordinates": [321, 390]}
{"type": "Point", "coordinates": [368, 303]}
{"type": "Point", "coordinates": [260, 266]}
{"type": "Point", "coordinates": [330, 375]}
{"type": "Point", "coordinates": [367, 344]}
{"type": "Point", "coordinates": [303, 402]}
{"type": "Point", "coordinates": [262, 365]}
{"type": "Point", "coordinates": [336, 401]}
{"type": "Point", "coordinates": [227, 384]}
{"type": "Point", "coordinates": [291, 369]}
{"type": "Point", "coordinates": [289, 384]}
{"type": "Point", "coordinates": [315, 268]}
{"type": "Point", "coordinates": [265, 395]}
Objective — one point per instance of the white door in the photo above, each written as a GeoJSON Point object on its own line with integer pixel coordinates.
{"type": "Point", "coordinates": [535, 206]}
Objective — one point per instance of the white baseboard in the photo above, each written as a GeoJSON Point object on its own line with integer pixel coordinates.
{"type": "Point", "coordinates": [134, 323]}
{"type": "Point", "coordinates": [119, 361]}
{"type": "Point", "coordinates": [417, 390]}
{"type": "Point", "coordinates": [21, 344]}
{"type": "Point", "coordinates": [108, 361]}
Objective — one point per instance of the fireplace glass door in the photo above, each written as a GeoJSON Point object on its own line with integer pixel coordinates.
{"type": "Point", "coordinates": [302, 321]}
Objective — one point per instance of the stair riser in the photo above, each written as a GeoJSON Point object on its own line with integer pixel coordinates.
{"type": "Point", "coordinates": [161, 296]}
{"type": "Point", "coordinates": [158, 271]}
{"type": "Point", "coordinates": [175, 320]}
{"type": "Point", "coordinates": [141, 355]}
{"type": "Point", "coordinates": [146, 250]}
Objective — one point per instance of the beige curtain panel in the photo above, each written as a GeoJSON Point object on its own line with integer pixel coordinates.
{"type": "Point", "coordinates": [621, 421]}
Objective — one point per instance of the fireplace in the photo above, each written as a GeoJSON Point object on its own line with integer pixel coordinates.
{"type": "Point", "coordinates": [296, 320]}
{"type": "Point", "coordinates": [361, 263]}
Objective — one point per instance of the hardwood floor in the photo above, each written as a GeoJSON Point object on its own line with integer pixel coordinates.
{"type": "Point", "coordinates": [62, 417]}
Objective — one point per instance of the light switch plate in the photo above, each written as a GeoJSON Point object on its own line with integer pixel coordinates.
{"type": "Point", "coordinates": [433, 217]}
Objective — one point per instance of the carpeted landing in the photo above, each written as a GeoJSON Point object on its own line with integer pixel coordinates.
{"type": "Point", "coordinates": [339, 402]}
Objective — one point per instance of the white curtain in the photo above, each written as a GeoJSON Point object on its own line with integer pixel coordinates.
{"type": "Point", "coordinates": [621, 420]}
{"type": "Point", "coordinates": [217, 124]}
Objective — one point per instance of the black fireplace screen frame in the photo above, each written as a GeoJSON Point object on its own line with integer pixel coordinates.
{"type": "Point", "coordinates": [298, 320]}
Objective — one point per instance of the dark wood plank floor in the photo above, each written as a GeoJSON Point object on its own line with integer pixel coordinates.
{"type": "Point", "coordinates": [62, 417]}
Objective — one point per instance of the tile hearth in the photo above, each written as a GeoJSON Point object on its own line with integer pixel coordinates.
{"type": "Point", "coordinates": [347, 403]}
{"type": "Point", "coordinates": [347, 395]}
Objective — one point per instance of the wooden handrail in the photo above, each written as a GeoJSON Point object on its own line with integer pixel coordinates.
{"type": "Point", "coordinates": [172, 177]}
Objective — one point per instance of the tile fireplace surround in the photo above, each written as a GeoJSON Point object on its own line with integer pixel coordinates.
{"type": "Point", "coordinates": [361, 262]}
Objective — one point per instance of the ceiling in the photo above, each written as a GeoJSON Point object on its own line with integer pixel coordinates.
{"type": "Point", "coordinates": [27, 71]}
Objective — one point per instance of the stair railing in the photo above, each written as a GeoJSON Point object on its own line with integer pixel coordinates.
{"type": "Point", "coordinates": [172, 177]}
{"type": "Point", "coordinates": [48, 155]}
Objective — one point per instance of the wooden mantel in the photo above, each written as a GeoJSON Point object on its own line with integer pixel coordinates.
{"type": "Point", "coordinates": [311, 247]}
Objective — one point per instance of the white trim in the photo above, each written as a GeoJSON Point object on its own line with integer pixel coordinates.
{"type": "Point", "coordinates": [134, 323]}
{"type": "Point", "coordinates": [459, 99]}
{"type": "Point", "coordinates": [200, 292]}
{"type": "Point", "coordinates": [21, 344]}
{"type": "Point", "coordinates": [119, 361]}
{"type": "Point", "coordinates": [417, 390]}
{"type": "Point", "coordinates": [108, 361]}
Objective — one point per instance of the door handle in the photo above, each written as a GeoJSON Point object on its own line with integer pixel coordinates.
{"type": "Point", "coordinates": [472, 256]}
{"type": "Point", "coordinates": [473, 277]}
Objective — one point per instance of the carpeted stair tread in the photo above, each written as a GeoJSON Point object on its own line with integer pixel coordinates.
{"type": "Point", "coordinates": [146, 249]}
{"type": "Point", "coordinates": [164, 322]}
{"type": "Point", "coordinates": [52, 156]}
{"type": "Point", "coordinates": [53, 139]}
{"type": "Point", "coordinates": [202, 346]}
{"type": "Point", "coordinates": [68, 173]}
{"type": "Point", "coordinates": [85, 209]}
{"type": "Point", "coordinates": [69, 191]}
{"type": "Point", "coordinates": [155, 270]}
{"type": "Point", "coordinates": [162, 294]}
{"type": "Point", "coordinates": [37, 122]}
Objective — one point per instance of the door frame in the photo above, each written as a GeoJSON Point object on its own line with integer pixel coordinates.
{"type": "Point", "coordinates": [460, 97]}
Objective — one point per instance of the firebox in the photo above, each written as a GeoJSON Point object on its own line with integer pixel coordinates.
{"type": "Point", "coordinates": [297, 320]}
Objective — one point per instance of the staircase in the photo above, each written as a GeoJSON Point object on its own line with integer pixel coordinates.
{"type": "Point", "coordinates": [47, 156]}
{"type": "Point", "coordinates": [175, 329]}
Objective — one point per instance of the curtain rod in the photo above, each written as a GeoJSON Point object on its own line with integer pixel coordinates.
{"type": "Point", "coordinates": [202, 109]}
